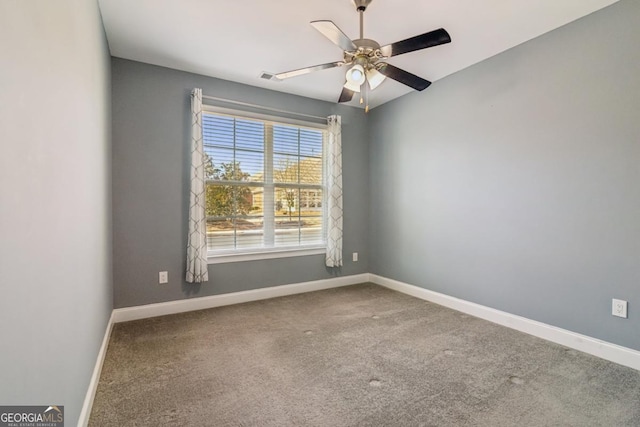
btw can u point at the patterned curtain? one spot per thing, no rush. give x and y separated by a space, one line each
334 181
197 243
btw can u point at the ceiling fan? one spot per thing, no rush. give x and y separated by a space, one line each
367 59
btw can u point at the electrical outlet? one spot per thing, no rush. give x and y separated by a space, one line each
355 257
163 277
619 308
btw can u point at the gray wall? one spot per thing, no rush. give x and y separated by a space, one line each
55 214
151 128
516 182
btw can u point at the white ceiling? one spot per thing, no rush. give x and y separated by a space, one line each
238 40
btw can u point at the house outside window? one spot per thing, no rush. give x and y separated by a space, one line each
265 186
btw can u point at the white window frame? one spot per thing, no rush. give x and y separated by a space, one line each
249 254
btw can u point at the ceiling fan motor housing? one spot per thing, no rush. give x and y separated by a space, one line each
367 54
367 44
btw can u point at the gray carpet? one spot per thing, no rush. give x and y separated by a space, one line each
355 356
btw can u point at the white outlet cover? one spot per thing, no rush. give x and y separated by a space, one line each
619 308
163 277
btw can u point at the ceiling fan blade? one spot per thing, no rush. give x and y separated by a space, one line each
346 95
404 77
301 71
423 41
335 34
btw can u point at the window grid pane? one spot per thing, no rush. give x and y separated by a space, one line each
235 161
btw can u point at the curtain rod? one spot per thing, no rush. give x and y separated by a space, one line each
261 107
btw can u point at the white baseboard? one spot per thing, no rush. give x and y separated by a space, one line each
605 350
201 303
83 421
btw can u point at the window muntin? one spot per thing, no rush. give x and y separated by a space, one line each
265 184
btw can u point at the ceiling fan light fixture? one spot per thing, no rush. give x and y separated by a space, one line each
352 87
355 75
375 78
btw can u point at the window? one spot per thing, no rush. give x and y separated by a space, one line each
265 185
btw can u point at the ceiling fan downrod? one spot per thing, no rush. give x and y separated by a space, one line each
361 6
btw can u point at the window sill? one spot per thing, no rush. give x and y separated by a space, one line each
264 254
